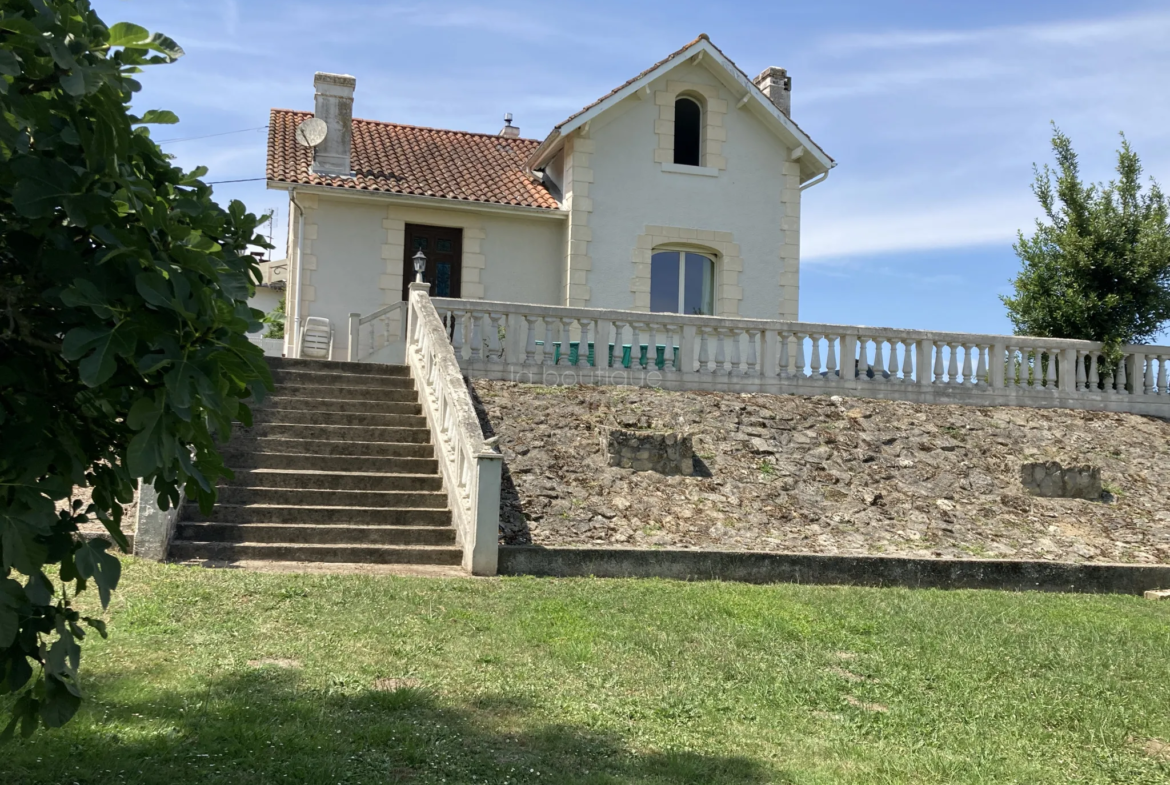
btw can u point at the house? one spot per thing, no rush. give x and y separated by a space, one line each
678 191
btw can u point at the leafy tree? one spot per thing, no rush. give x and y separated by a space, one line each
123 315
1099 268
275 320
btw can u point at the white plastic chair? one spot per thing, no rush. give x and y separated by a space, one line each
317 339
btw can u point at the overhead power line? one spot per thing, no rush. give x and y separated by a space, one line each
245 180
208 136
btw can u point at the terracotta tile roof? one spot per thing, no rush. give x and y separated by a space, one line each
406 159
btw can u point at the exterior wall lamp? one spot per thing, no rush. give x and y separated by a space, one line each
420 265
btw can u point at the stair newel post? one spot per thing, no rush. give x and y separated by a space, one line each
355 323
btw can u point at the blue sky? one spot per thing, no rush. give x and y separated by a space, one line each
935 111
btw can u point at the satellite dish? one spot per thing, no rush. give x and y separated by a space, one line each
312 132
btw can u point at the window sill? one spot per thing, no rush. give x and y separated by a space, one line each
705 171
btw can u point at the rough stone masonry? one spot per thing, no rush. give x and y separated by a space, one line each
827 475
648 451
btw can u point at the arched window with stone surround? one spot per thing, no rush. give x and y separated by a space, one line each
688 125
682 282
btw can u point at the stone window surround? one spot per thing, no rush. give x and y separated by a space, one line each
714 132
721 246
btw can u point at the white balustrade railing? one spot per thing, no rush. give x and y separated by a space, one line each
370 333
470 465
555 345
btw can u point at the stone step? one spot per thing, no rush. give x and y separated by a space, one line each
315 390
363 419
246 443
334 366
319 516
313 534
329 463
335 481
351 380
355 554
339 433
307 497
287 402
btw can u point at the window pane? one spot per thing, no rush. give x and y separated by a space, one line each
687 120
664 282
420 243
443 246
699 279
443 279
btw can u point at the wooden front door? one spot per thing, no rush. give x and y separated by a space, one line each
443 247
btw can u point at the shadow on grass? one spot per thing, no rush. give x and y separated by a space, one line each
264 725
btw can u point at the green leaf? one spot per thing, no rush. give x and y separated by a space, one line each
105 569
97 624
99 349
42 184
22 551
9 63
154 289
60 703
74 82
144 454
167 46
12 599
127 34
158 117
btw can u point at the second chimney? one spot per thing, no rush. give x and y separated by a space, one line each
334 104
509 130
777 85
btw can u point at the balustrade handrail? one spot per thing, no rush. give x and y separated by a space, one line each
381 312
357 321
470 465
806 328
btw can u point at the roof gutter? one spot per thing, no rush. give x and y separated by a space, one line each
438 202
816 180
295 349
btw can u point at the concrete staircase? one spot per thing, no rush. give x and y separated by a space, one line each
338 467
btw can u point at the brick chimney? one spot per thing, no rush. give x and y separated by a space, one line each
334 105
509 130
777 85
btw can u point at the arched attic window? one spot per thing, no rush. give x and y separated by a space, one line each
688 123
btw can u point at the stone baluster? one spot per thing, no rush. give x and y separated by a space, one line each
495 348
815 361
583 345
530 341
907 363
635 345
704 350
668 358
785 338
1163 374
652 347
831 358
619 332
1107 377
1012 368
800 374
981 366
1148 382
1081 382
476 336
551 325
1094 377
968 371
953 363
892 363
736 335
1122 380
753 338
566 341
720 353
879 368
939 378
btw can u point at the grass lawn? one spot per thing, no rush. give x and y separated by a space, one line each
232 677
